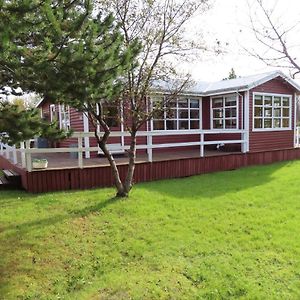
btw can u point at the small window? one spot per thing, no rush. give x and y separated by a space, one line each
224 112
65 122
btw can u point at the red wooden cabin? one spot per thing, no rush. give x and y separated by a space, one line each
210 127
263 105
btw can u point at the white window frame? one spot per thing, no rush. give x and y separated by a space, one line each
66 125
176 118
273 128
52 110
224 115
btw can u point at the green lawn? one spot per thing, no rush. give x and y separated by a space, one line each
229 235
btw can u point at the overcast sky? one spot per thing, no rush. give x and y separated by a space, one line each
228 21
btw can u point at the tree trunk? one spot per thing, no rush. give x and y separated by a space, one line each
115 172
131 165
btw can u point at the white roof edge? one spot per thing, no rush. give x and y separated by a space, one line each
39 103
272 76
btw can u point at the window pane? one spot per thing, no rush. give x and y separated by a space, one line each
230 123
285 123
258 100
112 122
268 100
217 102
230 101
258 111
194 124
268 112
286 112
277 112
267 123
277 101
158 114
171 113
258 123
277 123
218 124
171 124
183 114
183 103
285 101
230 112
171 103
183 125
218 113
194 114
158 125
194 103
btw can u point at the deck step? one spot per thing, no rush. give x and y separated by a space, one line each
10 179
10 174
4 183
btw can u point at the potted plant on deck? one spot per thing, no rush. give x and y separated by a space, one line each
39 163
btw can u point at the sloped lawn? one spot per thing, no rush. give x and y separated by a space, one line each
228 235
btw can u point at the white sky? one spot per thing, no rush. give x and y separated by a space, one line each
228 21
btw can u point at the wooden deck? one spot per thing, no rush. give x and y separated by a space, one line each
63 174
58 161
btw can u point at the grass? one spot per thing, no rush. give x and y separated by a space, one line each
229 235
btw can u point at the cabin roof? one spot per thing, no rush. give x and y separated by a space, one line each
203 88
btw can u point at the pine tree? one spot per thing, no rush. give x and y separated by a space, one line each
18 124
68 52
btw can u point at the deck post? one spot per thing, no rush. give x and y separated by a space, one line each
202 144
15 160
28 156
1 149
23 156
244 143
149 147
80 153
7 154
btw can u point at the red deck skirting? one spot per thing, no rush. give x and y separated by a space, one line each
67 179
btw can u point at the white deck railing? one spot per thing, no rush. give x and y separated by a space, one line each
25 151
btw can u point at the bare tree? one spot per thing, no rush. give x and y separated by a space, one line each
161 28
276 38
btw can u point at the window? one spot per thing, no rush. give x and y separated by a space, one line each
271 112
53 114
179 114
65 117
224 112
111 114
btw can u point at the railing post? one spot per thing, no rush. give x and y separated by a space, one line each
244 143
80 153
15 160
28 156
23 156
7 151
297 137
202 144
149 147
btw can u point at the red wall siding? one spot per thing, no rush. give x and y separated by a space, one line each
271 140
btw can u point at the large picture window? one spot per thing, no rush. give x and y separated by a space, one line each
271 112
224 112
179 114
